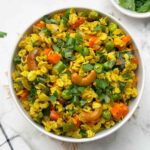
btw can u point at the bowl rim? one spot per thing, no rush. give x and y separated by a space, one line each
65 138
130 13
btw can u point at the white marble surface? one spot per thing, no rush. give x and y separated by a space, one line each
15 16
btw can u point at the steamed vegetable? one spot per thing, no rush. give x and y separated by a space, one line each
140 6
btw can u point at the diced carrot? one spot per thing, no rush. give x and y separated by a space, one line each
40 24
134 60
78 22
92 41
54 58
118 62
76 121
126 39
47 50
54 115
119 110
24 94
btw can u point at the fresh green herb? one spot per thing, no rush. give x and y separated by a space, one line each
32 94
127 76
49 20
93 15
46 111
60 43
41 79
2 34
87 67
128 4
99 28
68 54
69 127
81 89
105 98
109 64
17 60
82 102
83 133
78 38
55 48
122 85
140 6
75 100
116 96
66 94
102 83
85 51
46 31
53 97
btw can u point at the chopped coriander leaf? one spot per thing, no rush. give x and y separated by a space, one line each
53 97
32 94
101 83
68 127
17 60
68 54
122 85
46 111
87 67
55 48
85 51
46 31
82 102
109 65
116 96
99 28
41 79
66 94
83 133
2 34
49 20
128 4
78 39
105 98
75 100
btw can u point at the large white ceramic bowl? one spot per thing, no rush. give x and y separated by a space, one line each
104 133
129 12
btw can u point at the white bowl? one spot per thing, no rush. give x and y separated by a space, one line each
129 12
104 133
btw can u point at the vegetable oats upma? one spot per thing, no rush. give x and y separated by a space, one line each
75 73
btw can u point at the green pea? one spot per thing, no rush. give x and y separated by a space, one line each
106 114
59 67
109 45
93 15
66 95
85 51
112 27
98 68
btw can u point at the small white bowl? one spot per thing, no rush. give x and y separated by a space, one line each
101 134
129 12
